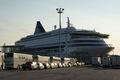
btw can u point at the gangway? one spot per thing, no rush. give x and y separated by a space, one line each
11 49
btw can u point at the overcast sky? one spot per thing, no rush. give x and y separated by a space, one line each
18 17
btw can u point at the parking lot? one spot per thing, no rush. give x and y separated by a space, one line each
73 73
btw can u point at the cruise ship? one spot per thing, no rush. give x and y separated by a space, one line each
65 42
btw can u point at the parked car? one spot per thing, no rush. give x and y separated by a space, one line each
40 66
52 65
30 66
75 64
69 64
46 65
66 64
60 65
56 65
63 64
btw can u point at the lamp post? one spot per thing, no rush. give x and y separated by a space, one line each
60 11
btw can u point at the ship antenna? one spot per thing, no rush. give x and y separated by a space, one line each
55 27
68 22
94 29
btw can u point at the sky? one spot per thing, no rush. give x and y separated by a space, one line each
18 17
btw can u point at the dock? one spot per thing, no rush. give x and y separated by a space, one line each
73 73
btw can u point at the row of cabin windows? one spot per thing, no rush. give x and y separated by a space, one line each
79 36
86 41
72 37
38 37
75 45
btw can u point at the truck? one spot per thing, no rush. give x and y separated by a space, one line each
106 62
96 61
16 60
2 63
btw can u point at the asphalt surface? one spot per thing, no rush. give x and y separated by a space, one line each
73 73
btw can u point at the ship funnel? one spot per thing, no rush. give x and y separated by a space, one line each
39 28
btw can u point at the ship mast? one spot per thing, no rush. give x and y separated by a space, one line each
60 11
68 22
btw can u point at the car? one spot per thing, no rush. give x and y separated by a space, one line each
34 65
79 63
26 65
52 65
82 63
30 66
70 64
40 66
56 65
60 65
63 64
66 65
46 65
75 64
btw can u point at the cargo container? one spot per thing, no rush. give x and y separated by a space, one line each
96 61
106 62
2 64
16 60
115 61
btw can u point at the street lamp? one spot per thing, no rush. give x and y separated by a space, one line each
60 11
